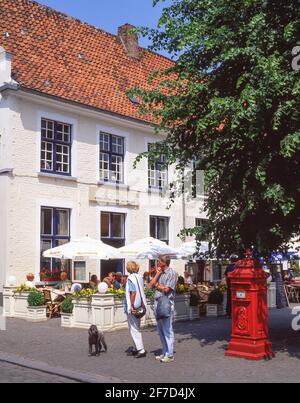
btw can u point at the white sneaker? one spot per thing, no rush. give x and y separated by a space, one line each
159 357
167 359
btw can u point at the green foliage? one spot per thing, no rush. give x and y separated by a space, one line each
150 293
35 298
67 306
23 288
215 297
86 293
232 103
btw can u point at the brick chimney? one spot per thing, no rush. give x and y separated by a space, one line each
129 40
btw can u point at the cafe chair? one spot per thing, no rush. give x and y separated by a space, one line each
52 306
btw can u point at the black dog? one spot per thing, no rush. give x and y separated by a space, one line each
96 339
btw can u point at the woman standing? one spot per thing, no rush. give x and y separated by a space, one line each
135 299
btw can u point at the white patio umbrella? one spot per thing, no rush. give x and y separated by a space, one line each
190 249
85 248
147 248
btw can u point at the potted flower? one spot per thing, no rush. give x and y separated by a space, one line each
214 305
37 310
67 313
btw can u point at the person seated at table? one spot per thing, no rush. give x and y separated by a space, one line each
124 280
187 278
30 280
118 281
110 279
94 282
64 283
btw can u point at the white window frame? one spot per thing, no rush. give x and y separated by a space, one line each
64 119
86 272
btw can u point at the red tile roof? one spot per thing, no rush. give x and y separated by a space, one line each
63 57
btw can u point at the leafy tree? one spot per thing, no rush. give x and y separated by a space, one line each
232 103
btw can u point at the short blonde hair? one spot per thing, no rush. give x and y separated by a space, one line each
132 267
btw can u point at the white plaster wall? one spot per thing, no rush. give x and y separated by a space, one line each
28 191
3 230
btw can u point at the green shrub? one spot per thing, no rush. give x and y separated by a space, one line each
67 306
215 297
35 298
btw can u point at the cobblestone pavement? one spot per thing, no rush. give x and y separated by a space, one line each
199 346
14 374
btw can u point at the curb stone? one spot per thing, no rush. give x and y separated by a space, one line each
82 377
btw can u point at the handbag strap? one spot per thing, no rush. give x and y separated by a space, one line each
138 283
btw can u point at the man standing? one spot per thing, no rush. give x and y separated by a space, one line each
164 282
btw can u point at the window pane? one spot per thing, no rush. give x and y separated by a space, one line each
104 225
79 271
153 232
104 166
163 227
47 129
63 132
162 178
46 219
62 159
104 142
117 145
46 156
117 226
62 223
45 262
116 169
152 175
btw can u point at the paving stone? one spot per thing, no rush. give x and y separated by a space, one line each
200 347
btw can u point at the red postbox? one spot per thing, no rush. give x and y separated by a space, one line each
250 330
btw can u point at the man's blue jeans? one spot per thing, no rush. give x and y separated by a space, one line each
166 333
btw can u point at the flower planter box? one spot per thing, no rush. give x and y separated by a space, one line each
182 307
82 313
9 301
66 320
107 312
21 305
103 309
36 313
120 317
213 310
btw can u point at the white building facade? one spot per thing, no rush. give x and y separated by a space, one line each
66 167
43 205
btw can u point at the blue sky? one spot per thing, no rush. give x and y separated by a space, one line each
110 14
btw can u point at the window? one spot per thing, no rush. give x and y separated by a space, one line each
113 234
157 172
111 162
79 272
202 222
112 226
56 147
55 231
198 180
159 228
